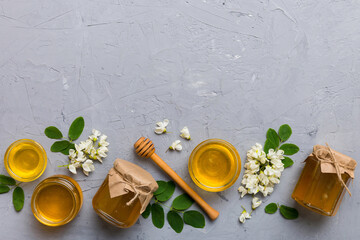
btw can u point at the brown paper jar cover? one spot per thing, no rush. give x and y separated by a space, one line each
324 180
124 194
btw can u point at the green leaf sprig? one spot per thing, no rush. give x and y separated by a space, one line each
285 211
274 139
18 193
63 146
179 206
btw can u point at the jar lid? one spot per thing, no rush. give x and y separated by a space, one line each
127 177
331 160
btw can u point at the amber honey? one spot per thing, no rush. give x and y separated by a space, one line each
317 191
56 200
25 160
214 165
116 210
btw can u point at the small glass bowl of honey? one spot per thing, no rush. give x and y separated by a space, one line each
56 200
25 160
214 165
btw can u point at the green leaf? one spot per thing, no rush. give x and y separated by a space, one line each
157 215
289 212
285 132
269 145
182 202
7 180
53 132
66 150
194 218
169 191
76 128
162 187
18 198
271 208
58 146
147 211
287 162
273 137
4 188
175 221
289 148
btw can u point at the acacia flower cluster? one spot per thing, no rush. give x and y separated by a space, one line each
263 171
88 151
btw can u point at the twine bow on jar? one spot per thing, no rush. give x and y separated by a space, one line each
334 162
126 177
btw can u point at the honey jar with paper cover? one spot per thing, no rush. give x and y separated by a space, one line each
124 194
324 180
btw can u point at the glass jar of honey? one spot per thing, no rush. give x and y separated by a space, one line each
324 180
214 165
25 160
124 194
56 200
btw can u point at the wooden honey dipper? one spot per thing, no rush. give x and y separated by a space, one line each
145 148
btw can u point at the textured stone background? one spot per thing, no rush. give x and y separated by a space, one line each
226 69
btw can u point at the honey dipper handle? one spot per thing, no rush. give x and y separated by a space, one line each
211 212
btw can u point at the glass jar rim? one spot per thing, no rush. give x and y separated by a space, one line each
230 148
7 165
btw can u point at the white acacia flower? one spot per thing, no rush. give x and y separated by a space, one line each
274 180
254 190
79 147
255 152
102 151
242 190
88 167
266 190
184 133
277 164
95 135
263 178
256 202
72 154
161 126
269 171
88 146
244 215
103 142
272 154
72 168
103 148
81 157
176 145
277 172
93 153
252 166
252 181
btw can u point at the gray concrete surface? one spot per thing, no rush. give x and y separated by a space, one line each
226 69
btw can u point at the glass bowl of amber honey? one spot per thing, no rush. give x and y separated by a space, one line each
214 165
56 200
25 160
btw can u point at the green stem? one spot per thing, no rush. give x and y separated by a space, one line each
157 201
16 185
64 165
